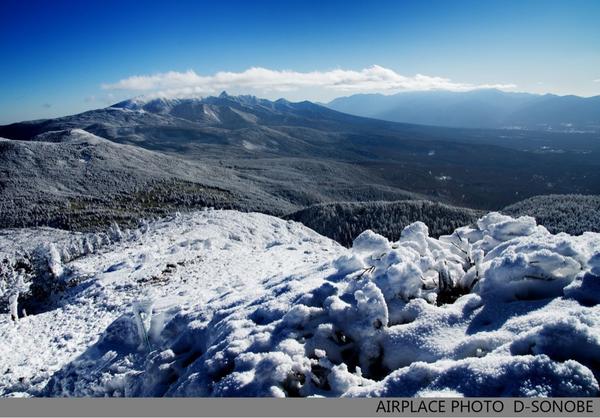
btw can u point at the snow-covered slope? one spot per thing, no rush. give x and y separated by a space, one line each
181 263
220 303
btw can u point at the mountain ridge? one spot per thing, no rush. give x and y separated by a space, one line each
484 108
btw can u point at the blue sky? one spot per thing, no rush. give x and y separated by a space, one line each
63 57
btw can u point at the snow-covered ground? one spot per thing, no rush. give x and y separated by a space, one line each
223 303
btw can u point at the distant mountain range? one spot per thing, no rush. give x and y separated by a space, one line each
487 108
239 125
144 157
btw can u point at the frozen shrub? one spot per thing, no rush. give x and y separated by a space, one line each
13 300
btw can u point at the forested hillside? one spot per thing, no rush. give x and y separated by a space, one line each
346 220
573 214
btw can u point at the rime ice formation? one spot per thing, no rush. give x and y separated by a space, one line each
223 303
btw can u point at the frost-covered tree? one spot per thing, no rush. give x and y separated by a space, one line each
13 300
48 271
114 232
15 275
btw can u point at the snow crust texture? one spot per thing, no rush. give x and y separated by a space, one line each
257 306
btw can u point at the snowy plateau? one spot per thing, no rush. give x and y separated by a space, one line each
225 303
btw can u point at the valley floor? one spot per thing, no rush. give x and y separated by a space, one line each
224 303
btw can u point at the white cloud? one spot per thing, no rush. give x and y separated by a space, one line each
374 79
597 80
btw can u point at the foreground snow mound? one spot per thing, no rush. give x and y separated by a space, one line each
501 308
124 285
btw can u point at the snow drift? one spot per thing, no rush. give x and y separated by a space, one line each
499 308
